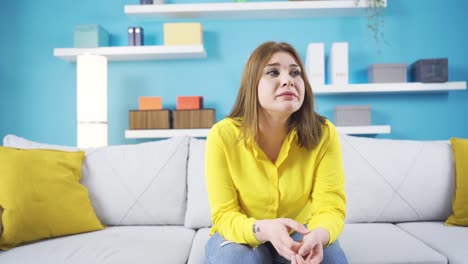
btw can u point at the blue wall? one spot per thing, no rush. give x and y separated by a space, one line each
37 90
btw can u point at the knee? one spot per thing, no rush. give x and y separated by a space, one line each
227 252
333 254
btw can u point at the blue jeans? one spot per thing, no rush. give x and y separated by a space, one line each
221 251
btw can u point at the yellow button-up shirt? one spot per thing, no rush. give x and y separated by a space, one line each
244 185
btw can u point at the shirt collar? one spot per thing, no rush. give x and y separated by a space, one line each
291 137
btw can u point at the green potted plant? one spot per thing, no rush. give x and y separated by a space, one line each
375 18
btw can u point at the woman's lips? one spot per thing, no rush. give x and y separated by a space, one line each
287 94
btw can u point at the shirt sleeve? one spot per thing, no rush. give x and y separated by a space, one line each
226 214
328 194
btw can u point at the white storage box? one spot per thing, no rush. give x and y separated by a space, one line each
315 63
338 68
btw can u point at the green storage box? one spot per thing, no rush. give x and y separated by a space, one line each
90 36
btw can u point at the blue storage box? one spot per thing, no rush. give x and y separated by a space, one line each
90 36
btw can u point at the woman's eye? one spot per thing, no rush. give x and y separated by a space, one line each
295 73
273 72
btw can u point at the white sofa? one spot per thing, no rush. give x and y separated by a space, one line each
152 198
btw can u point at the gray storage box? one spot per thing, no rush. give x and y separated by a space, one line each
352 115
387 73
430 70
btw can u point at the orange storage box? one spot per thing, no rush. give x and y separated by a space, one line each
149 103
189 102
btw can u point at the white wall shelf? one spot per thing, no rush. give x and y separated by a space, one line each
134 53
166 133
364 130
251 10
388 88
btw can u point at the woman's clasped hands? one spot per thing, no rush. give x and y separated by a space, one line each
307 251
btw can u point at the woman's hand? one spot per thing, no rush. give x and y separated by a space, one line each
276 231
311 250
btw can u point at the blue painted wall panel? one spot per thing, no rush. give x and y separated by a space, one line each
38 91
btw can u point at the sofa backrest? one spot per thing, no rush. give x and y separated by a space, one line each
198 213
158 183
141 184
386 181
397 180
137 184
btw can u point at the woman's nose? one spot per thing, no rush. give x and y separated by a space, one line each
286 81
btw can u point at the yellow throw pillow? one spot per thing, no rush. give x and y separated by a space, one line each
41 196
460 200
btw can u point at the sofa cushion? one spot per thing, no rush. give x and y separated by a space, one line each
198 213
139 184
460 199
385 243
382 176
362 243
197 253
42 197
125 244
450 241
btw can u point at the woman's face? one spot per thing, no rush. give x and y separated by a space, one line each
281 87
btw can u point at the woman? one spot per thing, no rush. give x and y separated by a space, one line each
274 171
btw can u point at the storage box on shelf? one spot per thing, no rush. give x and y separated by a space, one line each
430 70
315 63
149 103
387 73
352 115
90 36
189 102
201 118
338 63
149 119
183 34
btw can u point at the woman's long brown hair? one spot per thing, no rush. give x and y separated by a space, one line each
306 121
